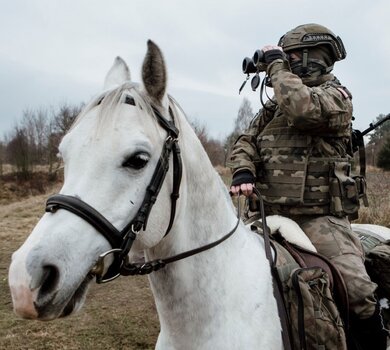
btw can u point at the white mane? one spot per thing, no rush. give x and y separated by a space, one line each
109 100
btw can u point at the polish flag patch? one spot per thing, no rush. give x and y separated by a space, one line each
343 92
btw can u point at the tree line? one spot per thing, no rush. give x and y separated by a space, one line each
378 148
34 140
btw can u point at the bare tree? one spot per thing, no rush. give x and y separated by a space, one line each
26 124
2 157
244 116
241 123
53 141
377 139
35 124
65 117
214 148
383 161
18 152
200 130
41 125
58 126
381 132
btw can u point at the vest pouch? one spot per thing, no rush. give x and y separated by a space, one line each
343 190
361 186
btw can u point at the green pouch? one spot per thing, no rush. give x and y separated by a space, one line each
344 191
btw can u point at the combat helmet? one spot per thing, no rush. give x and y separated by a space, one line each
311 35
319 47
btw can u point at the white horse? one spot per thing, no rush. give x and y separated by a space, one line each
221 298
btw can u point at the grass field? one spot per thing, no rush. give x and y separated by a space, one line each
378 211
120 315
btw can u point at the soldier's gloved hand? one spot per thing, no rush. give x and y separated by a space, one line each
242 182
272 53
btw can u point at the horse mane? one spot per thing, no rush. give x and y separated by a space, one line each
110 100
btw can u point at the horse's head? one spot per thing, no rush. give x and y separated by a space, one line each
110 156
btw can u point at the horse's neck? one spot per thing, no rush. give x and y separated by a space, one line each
218 299
206 209
215 291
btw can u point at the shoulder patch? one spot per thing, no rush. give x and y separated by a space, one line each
343 92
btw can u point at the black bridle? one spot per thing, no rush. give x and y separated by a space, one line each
122 241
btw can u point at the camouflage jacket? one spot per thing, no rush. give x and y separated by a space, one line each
305 124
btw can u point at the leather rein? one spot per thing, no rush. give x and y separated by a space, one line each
122 241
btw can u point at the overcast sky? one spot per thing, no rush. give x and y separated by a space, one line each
55 52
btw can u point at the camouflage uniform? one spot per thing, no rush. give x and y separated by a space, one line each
294 150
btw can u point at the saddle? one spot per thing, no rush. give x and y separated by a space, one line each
314 293
377 260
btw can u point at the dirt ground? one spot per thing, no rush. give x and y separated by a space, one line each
119 315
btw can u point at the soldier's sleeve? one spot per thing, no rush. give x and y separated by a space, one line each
244 154
308 107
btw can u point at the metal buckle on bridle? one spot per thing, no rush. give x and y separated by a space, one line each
171 139
128 240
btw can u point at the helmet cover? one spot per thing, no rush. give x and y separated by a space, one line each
311 35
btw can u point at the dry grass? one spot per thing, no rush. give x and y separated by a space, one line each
120 315
378 211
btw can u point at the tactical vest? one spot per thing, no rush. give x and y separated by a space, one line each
293 181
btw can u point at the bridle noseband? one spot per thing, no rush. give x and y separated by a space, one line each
122 241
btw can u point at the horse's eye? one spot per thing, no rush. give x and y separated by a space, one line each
136 161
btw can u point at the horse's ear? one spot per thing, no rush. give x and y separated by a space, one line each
117 75
154 73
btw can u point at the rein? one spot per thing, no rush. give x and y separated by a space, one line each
122 241
130 269
278 289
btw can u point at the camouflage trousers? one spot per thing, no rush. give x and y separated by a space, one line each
333 237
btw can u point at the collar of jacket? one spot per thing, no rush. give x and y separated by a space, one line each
317 80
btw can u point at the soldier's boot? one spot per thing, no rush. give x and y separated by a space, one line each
369 333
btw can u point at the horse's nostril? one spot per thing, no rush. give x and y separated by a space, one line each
50 279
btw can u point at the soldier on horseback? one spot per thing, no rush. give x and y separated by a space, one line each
297 152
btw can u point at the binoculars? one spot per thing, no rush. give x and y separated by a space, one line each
254 64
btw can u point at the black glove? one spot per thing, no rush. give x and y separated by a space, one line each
243 177
272 55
